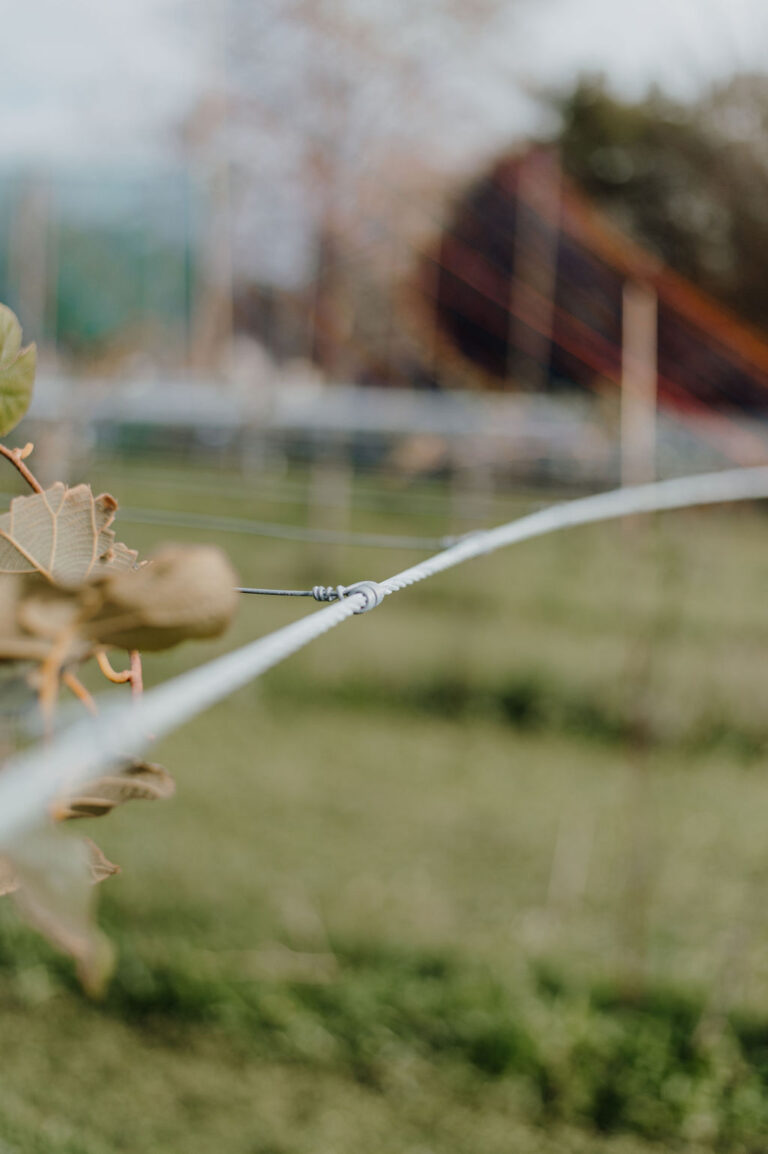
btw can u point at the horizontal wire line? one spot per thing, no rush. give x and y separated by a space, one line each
279 531
365 499
276 592
32 779
319 592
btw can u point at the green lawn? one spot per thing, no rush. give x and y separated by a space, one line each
482 871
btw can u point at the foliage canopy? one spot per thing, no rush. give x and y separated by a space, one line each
69 592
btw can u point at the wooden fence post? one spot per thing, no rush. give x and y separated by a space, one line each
639 383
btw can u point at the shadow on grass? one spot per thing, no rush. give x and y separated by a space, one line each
656 1063
529 702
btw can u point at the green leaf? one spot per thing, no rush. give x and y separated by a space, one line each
17 372
10 336
16 381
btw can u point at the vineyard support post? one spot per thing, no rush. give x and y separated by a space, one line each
639 383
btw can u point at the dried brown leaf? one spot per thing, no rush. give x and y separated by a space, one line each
100 866
184 592
46 611
33 615
139 780
55 895
119 556
62 533
15 643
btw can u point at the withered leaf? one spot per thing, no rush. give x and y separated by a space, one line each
99 864
119 556
63 534
46 611
183 592
32 614
17 372
139 780
54 893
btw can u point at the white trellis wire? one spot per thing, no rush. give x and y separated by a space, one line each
32 779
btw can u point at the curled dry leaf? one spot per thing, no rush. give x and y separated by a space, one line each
63 534
66 589
17 372
51 878
16 645
34 615
184 592
99 864
139 780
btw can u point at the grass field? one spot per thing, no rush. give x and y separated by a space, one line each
482 871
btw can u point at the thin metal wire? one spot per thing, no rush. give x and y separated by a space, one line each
680 493
373 499
32 779
319 592
279 531
278 592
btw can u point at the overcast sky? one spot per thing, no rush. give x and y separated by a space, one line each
682 44
102 88
108 80
96 79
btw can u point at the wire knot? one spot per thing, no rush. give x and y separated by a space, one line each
328 592
370 590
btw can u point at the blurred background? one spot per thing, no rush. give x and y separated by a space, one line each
322 282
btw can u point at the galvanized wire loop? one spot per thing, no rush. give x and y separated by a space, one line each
370 590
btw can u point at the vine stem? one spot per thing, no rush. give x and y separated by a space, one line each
75 685
104 664
133 675
16 457
137 677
